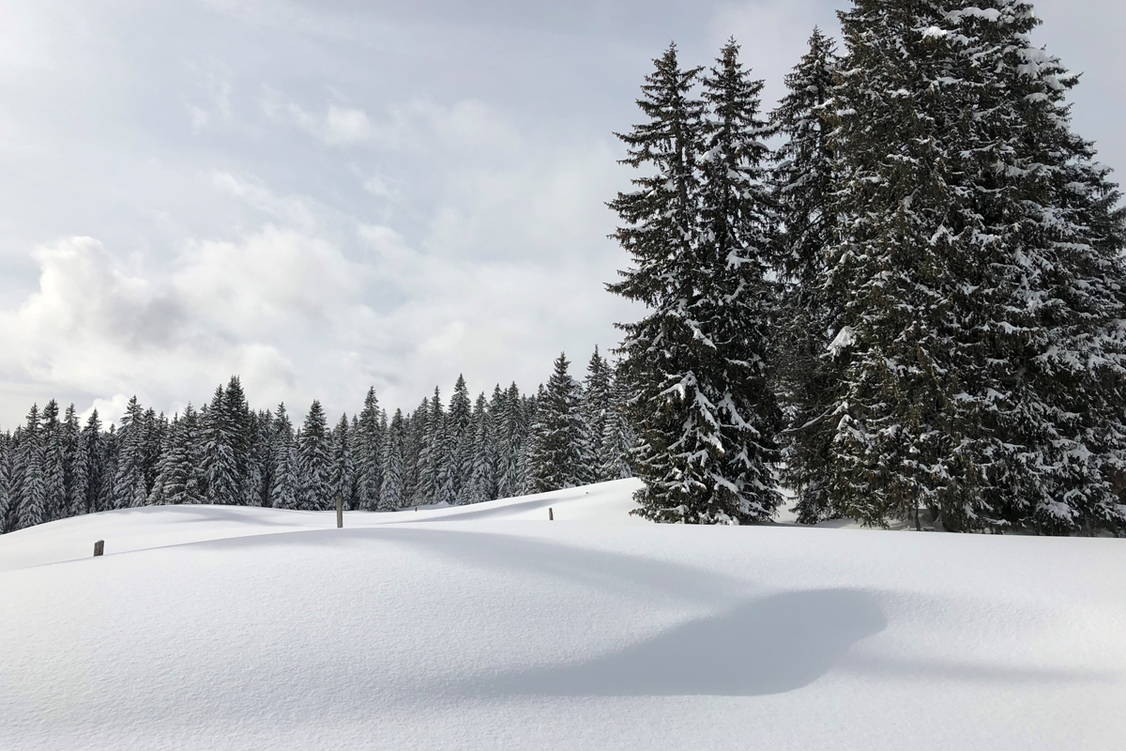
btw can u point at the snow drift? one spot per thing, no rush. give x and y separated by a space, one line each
490 627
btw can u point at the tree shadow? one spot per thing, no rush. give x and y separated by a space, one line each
766 645
617 573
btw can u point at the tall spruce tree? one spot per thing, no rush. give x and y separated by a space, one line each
1054 295
342 469
803 186
7 489
617 435
394 491
481 485
314 461
30 480
129 485
559 457
284 472
597 409
94 448
369 453
698 232
459 441
54 461
76 465
432 474
220 461
979 273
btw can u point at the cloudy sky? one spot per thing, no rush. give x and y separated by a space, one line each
320 195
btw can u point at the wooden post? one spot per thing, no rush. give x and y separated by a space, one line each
550 514
340 512
99 548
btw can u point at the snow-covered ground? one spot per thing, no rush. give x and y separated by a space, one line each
490 627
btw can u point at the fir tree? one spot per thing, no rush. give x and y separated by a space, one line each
93 449
511 435
283 484
314 460
979 279
31 494
803 186
597 410
110 447
459 441
342 469
481 485
7 489
617 435
76 465
239 428
432 455
393 495
129 473
221 470
698 233
369 453
560 454
54 462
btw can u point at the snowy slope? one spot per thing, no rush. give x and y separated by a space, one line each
489 627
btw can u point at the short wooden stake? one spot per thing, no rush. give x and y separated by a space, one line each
550 514
340 512
99 548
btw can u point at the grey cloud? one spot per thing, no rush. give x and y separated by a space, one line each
320 194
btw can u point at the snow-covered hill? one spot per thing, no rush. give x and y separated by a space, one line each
490 627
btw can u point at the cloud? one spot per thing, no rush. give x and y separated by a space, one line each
336 125
309 193
252 192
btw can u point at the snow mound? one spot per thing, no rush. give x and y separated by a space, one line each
490 627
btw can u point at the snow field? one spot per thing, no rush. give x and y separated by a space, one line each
489 627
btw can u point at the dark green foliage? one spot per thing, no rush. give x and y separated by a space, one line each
697 228
559 457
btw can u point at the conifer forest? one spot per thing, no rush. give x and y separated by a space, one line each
897 297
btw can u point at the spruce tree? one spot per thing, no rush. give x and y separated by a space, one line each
617 435
129 473
510 438
31 486
110 448
283 475
394 491
94 450
481 485
432 464
803 186
597 410
560 455
342 469
76 465
978 273
239 431
221 471
459 441
7 489
54 462
1055 298
698 232
369 453
314 461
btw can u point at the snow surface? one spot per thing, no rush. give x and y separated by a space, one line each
489 627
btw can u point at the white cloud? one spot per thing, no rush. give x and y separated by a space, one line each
336 125
285 209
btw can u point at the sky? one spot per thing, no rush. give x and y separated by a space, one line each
326 195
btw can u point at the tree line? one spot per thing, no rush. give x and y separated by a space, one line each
899 294
461 451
